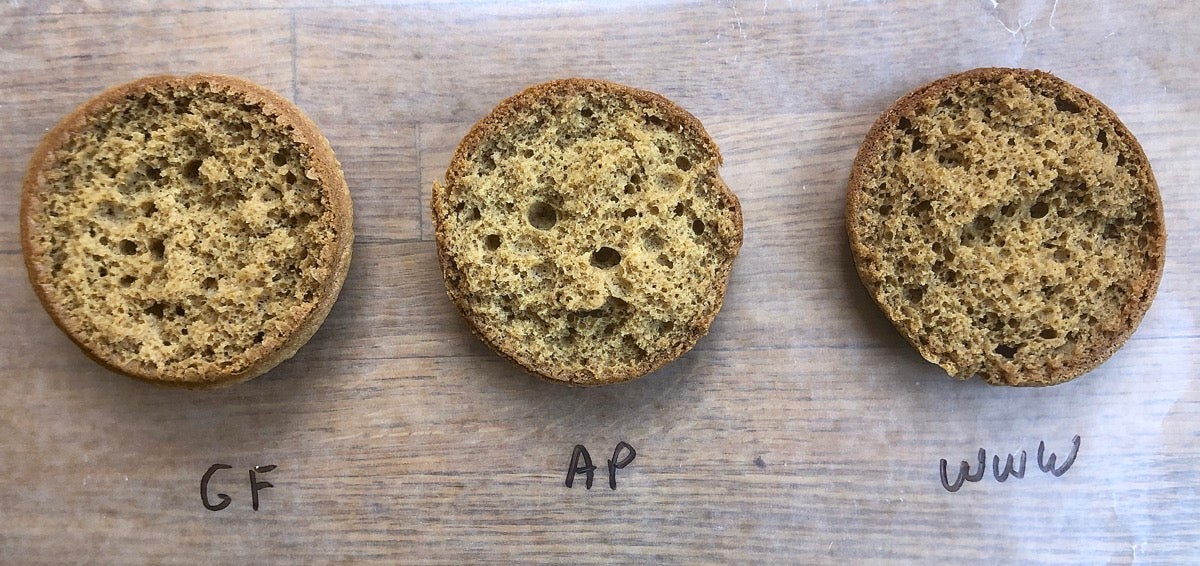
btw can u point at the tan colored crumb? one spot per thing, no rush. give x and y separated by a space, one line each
1008 224
584 231
190 231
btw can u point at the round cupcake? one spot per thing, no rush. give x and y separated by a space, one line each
1008 224
189 231
584 232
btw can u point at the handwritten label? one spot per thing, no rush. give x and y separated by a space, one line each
1045 464
622 456
223 499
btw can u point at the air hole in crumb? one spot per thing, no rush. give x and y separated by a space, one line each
605 258
258 338
665 261
628 213
914 294
179 310
680 209
127 280
127 247
1008 209
157 249
103 271
155 310
652 119
1061 255
683 163
279 159
904 124
1065 105
491 242
697 226
209 284
630 344
917 145
885 209
1049 334
153 173
653 241
290 178
542 216
191 170
1112 231
527 153
148 209
1102 137
1006 350
1039 210
586 112
1120 160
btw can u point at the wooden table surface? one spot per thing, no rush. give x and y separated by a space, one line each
801 429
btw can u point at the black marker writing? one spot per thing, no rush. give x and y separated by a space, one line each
964 473
575 468
1049 465
256 485
225 500
622 456
618 463
1008 468
1046 464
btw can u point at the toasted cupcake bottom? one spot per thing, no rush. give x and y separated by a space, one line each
1008 225
191 231
584 232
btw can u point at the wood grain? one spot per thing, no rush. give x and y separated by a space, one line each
802 429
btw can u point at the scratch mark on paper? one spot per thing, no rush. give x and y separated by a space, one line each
1020 27
1021 24
1053 10
738 18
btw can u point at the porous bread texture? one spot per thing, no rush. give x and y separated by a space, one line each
584 232
191 231
1008 224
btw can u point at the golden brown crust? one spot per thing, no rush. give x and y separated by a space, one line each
506 343
880 272
334 253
